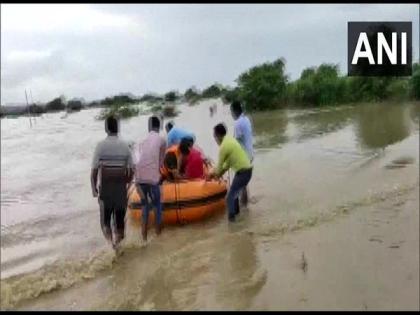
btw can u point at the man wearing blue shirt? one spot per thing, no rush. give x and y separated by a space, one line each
243 133
176 134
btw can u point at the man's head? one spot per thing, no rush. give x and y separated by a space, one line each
111 125
170 161
236 109
219 132
185 146
169 126
154 124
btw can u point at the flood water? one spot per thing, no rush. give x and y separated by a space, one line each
308 164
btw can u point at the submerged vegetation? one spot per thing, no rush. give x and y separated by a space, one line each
120 110
262 87
169 111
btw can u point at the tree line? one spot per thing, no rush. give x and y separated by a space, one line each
266 86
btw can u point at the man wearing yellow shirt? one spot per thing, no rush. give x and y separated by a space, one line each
232 155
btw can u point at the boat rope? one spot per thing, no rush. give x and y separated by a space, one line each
177 203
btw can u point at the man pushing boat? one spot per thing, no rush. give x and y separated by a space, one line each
232 155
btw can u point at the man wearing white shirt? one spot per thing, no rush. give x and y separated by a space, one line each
243 133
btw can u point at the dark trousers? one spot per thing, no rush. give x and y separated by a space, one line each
150 195
109 209
240 181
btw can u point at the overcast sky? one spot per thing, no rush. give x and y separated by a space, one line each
99 50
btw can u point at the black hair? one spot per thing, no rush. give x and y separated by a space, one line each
169 126
111 125
185 146
220 130
236 107
170 161
191 141
154 122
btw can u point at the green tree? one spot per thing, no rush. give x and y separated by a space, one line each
212 91
264 86
171 96
36 109
230 95
191 93
56 104
318 86
414 83
151 98
74 105
376 89
397 89
119 99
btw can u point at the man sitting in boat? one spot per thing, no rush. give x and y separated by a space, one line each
171 164
184 161
192 160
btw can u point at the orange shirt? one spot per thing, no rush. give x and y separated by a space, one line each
175 149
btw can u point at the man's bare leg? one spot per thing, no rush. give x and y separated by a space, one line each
144 231
158 228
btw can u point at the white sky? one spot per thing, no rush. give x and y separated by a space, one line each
98 50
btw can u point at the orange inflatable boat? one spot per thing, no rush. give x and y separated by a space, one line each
183 201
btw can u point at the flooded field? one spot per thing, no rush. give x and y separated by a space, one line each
311 166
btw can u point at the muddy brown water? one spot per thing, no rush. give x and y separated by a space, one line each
310 164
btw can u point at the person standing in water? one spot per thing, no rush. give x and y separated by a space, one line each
243 133
148 178
232 155
113 162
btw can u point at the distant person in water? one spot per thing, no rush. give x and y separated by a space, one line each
243 133
176 134
213 109
231 155
112 161
148 178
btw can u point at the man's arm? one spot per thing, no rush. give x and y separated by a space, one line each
130 165
162 152
94 171
222 165
162 170
238 132
93 181
206 159
170 139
